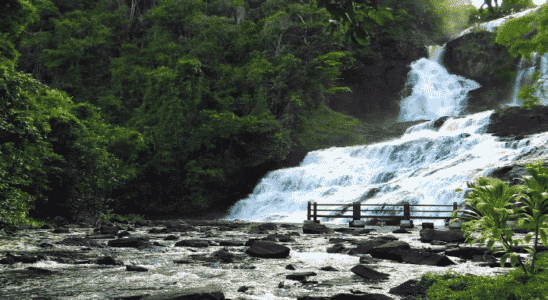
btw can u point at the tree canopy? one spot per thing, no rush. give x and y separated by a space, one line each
170 106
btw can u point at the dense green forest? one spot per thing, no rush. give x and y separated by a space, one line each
176 108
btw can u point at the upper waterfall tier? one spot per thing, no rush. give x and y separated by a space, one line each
435 92
491 26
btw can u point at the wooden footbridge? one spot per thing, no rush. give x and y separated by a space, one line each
357 211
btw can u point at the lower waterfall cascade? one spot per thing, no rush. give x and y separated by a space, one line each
425 166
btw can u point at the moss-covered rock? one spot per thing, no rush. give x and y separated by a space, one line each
518 122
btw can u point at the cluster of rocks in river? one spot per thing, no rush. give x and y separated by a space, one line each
272 245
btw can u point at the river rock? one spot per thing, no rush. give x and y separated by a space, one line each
75 241
266 249
130 242
515 122
366 246
452 236
227 253
313 228
368 272
209 292
192 243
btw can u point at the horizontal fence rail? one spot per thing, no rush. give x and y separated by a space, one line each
356 211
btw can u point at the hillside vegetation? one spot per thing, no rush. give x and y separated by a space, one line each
173 108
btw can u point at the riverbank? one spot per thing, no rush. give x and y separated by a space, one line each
175 256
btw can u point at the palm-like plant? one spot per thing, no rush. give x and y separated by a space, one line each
488 208
535 209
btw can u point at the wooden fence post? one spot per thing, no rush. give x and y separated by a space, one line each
406 212
356 211
315 210
309 209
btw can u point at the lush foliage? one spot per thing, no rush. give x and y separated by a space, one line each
524 36
23 149
52 147
489 209
513 285
450 17
529 92
507 7
356 17
196 92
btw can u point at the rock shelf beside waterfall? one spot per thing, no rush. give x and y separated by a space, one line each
227 260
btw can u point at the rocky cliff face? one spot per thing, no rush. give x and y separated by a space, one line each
476 57
380 76
512 125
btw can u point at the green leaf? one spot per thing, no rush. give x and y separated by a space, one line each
529 249
528 238
386 13
490 244
503 259
514 259
543 232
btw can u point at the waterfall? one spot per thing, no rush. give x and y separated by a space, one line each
425 166
435 52
525 70
435 92
491 26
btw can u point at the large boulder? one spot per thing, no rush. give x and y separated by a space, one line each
134 242
300 276
386 251
368 272
475 56
450 236
209 292
410 288
420 257
313 228
223 255
193 243
378 251
366 246
109 260
518 122
11 259
264 249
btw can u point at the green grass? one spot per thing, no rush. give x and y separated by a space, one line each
511 286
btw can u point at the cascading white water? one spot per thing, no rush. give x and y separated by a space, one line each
523 78
424 166
436 93
435 52
491 26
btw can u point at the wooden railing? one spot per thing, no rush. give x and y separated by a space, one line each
356 211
